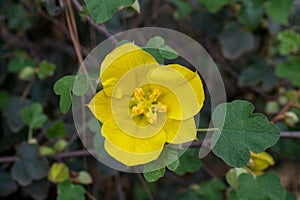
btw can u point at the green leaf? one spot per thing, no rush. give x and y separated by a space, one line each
57 130
266 186
215 5
63 87
232 176
278 10
235 42
290 70
46 69
152 176
167 52
156 169
212 190
103 10
251 14
255 73
33 115
16 64
7 184
38 190
288 42
189 162
67 191
4 97
51 7
12 112
155 42
18 18
80 85
27 151
58 172
26 74
30 167
241 132
184 8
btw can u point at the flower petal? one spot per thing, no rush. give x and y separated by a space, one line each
120 145
100 106
120 61
194 80
129 158
185 85
179 132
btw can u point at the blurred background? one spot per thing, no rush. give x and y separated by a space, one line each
255 44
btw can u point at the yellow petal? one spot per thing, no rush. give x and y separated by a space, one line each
100 106
261 161
194 80
129 158
179 132
185 86
119 62
131 144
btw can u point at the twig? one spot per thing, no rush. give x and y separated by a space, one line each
119 186
286 107
100 28
145 186
28 87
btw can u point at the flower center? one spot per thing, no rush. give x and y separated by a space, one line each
146 104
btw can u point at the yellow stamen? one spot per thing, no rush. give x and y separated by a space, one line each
146 104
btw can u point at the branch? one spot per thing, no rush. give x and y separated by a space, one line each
80 153
289 105
100 28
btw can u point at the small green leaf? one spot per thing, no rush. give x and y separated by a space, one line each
59 172
67 190
4 97
184 8
45 150
251 14
278 10
266 186
212 190
7 184
288 42
52 7
290 70
63 87
46 69
27 151
60 145
16 64
103 10
167 52
18 18
189 162
235 42
155 42
241 132
233 175
38 189
84 178
152 176
214 6
57 130
80 85
33 115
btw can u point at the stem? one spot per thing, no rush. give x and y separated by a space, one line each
207 129
30 133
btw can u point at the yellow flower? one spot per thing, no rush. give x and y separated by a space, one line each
144 105
259 162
